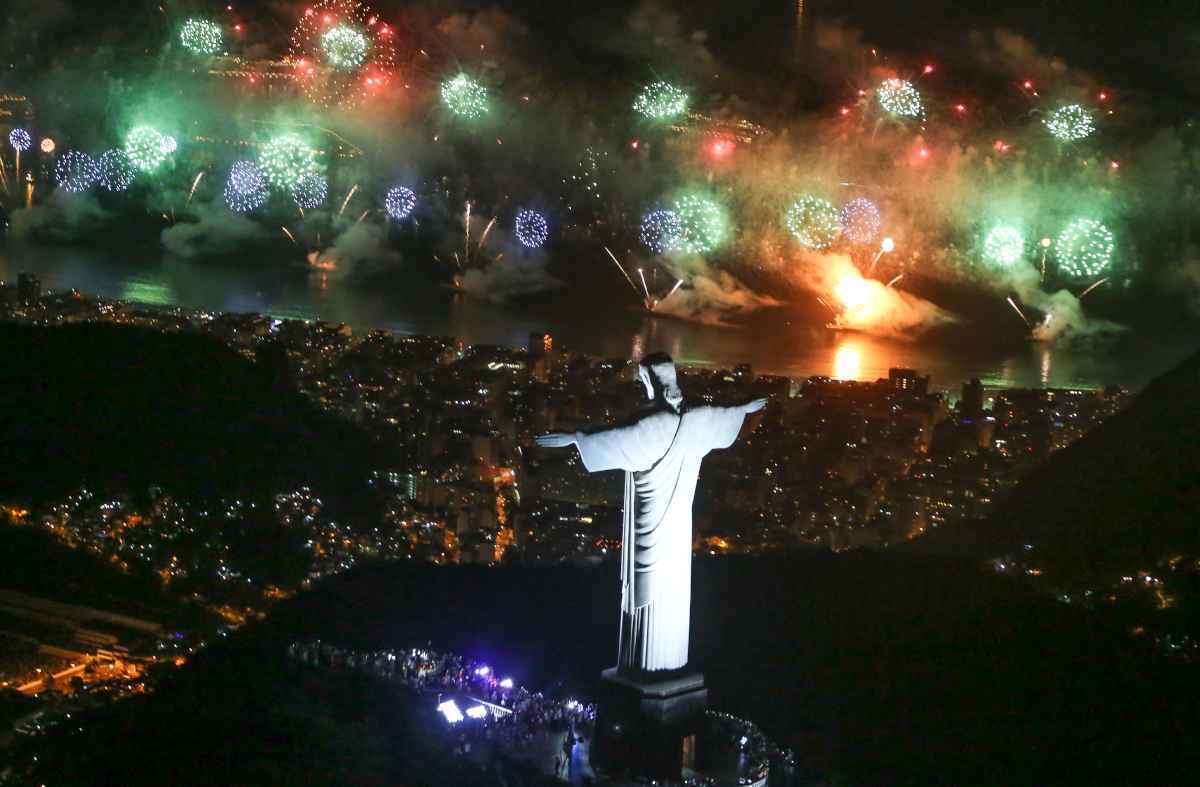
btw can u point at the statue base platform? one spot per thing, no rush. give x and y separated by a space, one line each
646 725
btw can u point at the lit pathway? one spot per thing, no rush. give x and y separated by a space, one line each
36 686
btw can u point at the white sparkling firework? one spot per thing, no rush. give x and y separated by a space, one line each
246 189
399 202
531 229
115 170
20 140
860 220
310 191
899 98
661 230
76 171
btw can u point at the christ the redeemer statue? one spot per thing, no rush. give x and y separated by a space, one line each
660 453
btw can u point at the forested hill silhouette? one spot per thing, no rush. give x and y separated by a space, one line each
123 407
876 668
1120 499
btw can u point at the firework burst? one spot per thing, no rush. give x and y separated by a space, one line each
344 47
201 37
286 160
531 229
899 98
1003 246
813 221
704 224
246 188
660 101
399 203
1071 123
310 191
20 140
465 97
343 52
860 220
76 171
1084 249
144 146
661 230
115 170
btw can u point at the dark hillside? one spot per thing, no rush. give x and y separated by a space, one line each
1119 500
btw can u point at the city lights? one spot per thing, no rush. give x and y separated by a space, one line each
449 710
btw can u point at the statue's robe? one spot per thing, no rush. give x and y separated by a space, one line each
660 454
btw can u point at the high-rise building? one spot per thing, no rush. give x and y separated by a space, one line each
540 344
971 405
29 288
909 381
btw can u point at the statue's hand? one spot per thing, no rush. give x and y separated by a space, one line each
557 439
754 406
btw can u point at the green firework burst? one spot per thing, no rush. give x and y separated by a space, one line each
660 101
814 222
703 224
1004 245
1084 248
344 47
1070 123
465 97
287 159
201 37
144 146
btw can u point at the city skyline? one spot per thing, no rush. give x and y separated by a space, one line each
792 393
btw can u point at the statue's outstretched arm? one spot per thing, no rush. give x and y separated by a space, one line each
557 439
753 406
618 447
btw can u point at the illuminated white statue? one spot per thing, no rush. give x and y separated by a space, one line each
660 453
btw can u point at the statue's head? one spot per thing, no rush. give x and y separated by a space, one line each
657 373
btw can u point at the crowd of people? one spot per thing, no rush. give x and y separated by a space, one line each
525 725
514 716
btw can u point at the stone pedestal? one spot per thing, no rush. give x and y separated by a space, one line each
641 722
